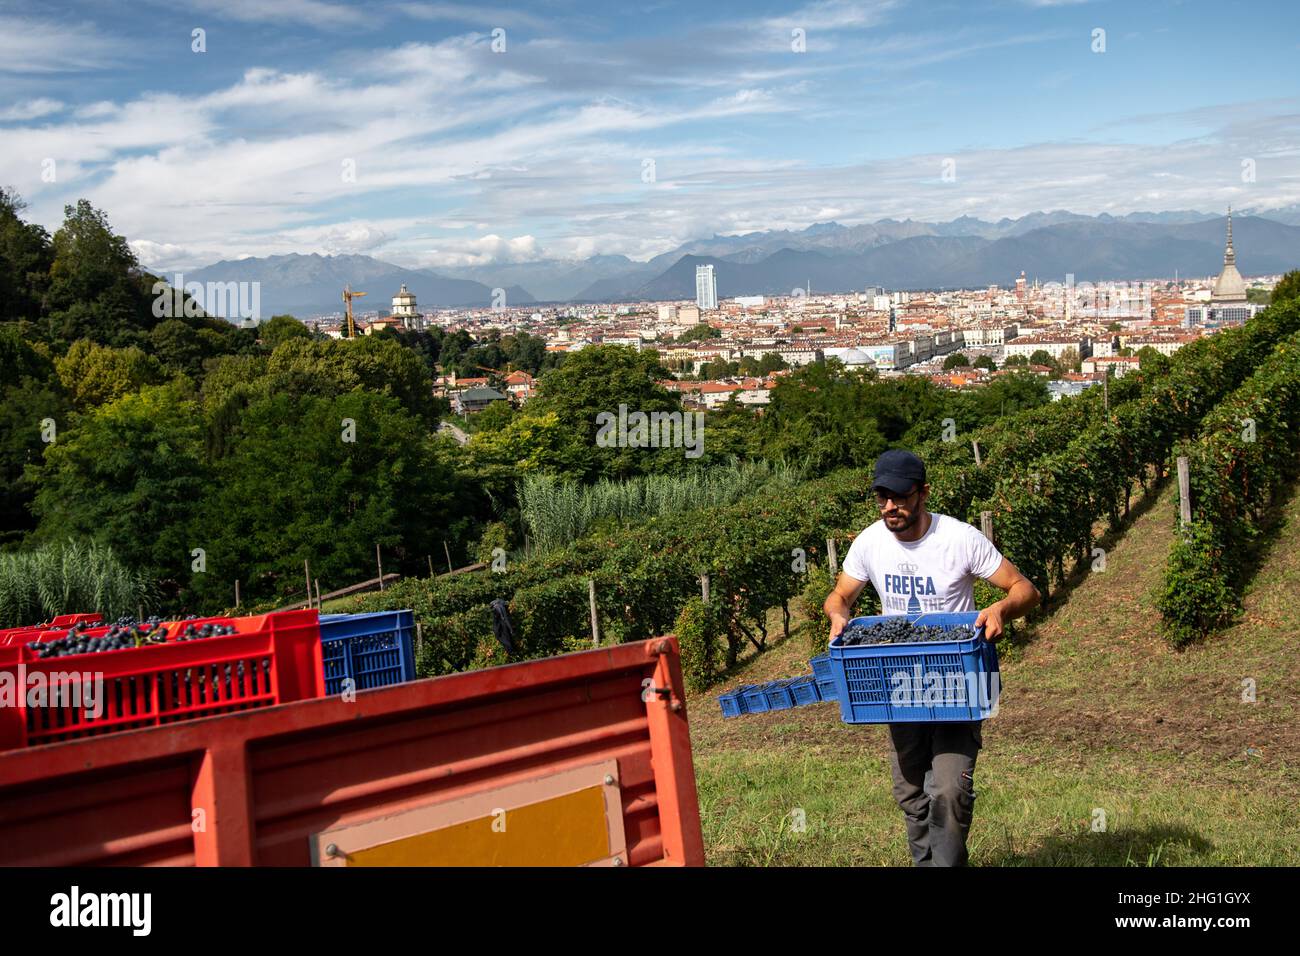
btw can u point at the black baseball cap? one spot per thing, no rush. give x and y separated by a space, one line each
898 470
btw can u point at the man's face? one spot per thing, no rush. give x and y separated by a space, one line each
900 511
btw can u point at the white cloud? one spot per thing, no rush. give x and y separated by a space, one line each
480 16
484 251
32 109
28 45
463 157
318 13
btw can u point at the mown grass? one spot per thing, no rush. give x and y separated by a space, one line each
1098 713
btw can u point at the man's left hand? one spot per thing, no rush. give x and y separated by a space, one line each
991 619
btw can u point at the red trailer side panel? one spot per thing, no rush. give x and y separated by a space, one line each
261 787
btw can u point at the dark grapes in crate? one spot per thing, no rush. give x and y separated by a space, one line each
898 631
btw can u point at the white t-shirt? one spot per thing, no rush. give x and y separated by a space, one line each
936 572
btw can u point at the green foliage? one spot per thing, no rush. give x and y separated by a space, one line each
25 259
829 416
699 333
492 419
1244 453
1012 360
277 500
329 368
281 328
1152 360
1288 287
68 577
771 362
94 374
556 512
1042 357
30 394
497 535
595 381
818 588
129 474
956 360
986 362
185 345
699 630
95 290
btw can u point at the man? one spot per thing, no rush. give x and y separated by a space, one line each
920 561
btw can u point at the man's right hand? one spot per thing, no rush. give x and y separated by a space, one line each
838 623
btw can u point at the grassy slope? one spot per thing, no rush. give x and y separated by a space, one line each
1097 713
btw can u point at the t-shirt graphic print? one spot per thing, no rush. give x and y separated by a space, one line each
936 572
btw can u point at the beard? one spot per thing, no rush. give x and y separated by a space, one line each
898 522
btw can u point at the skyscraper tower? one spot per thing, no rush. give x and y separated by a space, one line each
706 287
1229 286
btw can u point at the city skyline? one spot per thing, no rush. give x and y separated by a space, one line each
420 135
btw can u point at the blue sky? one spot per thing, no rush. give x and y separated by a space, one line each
396 130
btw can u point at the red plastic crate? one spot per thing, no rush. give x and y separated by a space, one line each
272 659
28 632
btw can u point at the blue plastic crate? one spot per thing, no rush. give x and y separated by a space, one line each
373 649
822 669
779 696
733 704
934 681
804 690
755 698
826 689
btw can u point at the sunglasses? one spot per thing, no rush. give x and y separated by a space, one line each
884 496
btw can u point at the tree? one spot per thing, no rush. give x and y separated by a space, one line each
596 380
733 431
1152 361
986 362
25 259
1288 287
281 328
528 443
956 360
525 352
493 418
719 369
95 374
31 398
830 415
1069 361
184 346
327 368
1012 360
95 290
699 333
1042 357
279 498
1008 394
129 474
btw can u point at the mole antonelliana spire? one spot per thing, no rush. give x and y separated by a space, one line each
1229 286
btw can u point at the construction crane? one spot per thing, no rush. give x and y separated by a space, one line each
348 296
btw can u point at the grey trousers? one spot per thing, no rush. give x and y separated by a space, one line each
933 765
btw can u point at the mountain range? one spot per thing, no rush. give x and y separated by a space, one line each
307 285
831 257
